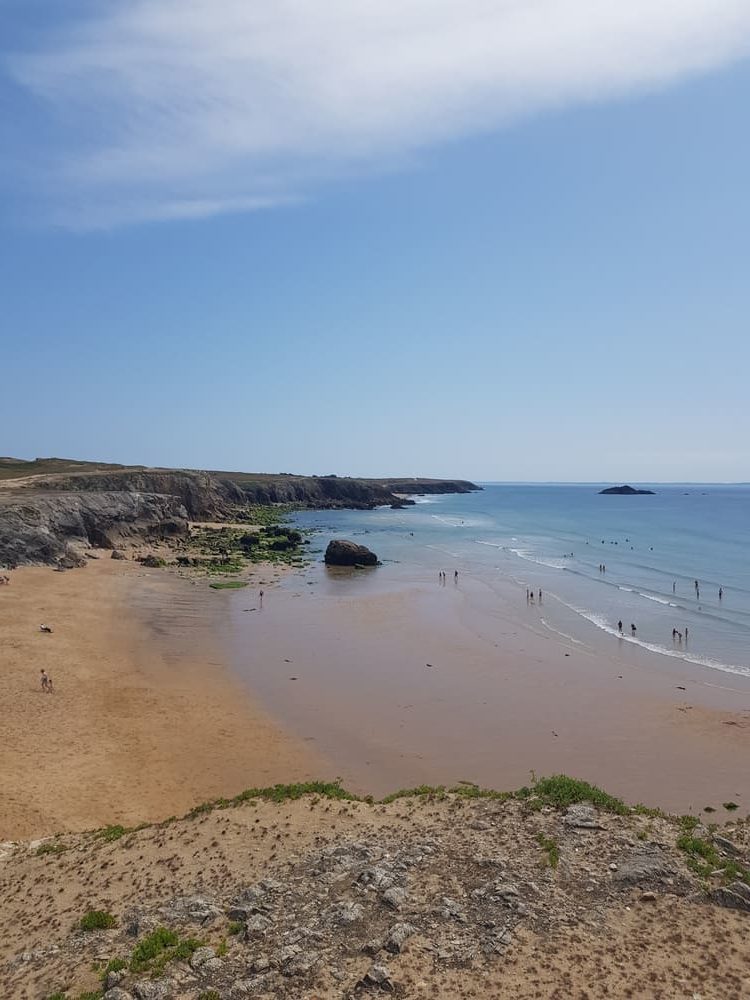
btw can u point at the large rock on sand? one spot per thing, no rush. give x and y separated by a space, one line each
341 552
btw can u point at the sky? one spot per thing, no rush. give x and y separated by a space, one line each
498 240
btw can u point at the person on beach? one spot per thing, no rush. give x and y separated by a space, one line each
619 627
674 634
721 592
686 633
527 595
50 689
674 586
632 629
540 596
44 679
455 576
260 595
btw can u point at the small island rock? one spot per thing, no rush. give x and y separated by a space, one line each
341 552
626 491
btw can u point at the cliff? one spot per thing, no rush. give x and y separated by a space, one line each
51 528
51 509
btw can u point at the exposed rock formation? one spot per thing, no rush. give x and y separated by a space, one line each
626 491
49 528
202 496
429 896
342 552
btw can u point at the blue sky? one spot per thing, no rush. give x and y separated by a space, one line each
441 254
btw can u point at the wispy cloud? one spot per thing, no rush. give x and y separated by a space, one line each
163 109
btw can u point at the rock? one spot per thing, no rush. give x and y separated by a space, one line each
582 816
118 554
151 561
260 964
200 956
256 926
195 909
348 913
397 937
379 976
114 979
373 946
726 846
341 552
376 878
648 897
451 910
297 962
395 897
735 896
626 491
154 989
117 994
643 866
136 922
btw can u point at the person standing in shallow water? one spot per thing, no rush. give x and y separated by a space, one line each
632 629
455 576
619 626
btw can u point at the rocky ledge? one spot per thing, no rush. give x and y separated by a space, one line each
284 894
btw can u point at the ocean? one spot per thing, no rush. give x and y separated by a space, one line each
555 538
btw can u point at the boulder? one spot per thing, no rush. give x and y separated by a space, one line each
341 552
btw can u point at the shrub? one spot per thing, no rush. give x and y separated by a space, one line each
97 920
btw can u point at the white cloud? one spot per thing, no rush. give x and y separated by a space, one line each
185 108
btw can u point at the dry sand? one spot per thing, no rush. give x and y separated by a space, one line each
131 733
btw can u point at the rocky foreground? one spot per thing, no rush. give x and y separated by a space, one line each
308 894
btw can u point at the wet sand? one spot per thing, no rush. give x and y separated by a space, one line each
140 727
402 682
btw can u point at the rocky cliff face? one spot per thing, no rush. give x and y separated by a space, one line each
203 496
334 491
54 528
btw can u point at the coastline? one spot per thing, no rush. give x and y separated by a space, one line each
145 722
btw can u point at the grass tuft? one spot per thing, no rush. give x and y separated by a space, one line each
561 791
551 850
97 920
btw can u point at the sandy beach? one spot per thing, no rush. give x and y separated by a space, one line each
402 682
132 734
168 693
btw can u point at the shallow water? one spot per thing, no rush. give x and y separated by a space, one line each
554 538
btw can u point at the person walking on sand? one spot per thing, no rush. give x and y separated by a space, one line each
44 679
540 596
50 689
260 595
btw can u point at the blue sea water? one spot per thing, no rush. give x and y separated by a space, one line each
556 537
